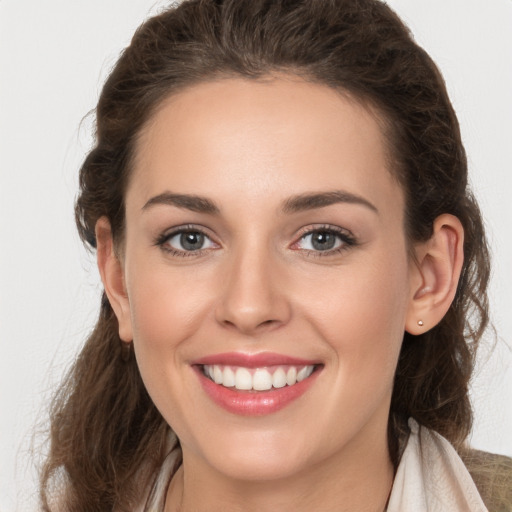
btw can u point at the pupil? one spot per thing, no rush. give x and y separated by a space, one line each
323 240
192 241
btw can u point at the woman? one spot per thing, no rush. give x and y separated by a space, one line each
294 272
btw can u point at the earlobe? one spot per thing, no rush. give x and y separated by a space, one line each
435 275
112 276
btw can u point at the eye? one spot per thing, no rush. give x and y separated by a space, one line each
320 241
188 241
325 240
185 241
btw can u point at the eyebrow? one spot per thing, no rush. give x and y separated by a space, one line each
299 203
194 203
304 202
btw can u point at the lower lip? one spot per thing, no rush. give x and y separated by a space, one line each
254 403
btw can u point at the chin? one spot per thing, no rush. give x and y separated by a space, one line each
251 466
258 456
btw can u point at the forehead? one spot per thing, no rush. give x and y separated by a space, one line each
243 138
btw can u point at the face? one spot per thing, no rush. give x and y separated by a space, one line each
266 275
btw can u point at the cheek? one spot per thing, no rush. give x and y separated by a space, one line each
361 313
165 303
363 324
167 309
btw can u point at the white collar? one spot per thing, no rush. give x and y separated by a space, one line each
431 477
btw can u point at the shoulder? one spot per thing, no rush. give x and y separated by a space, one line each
492 475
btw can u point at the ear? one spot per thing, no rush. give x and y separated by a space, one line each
112 276
435 275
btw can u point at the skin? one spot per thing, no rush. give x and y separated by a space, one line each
258 286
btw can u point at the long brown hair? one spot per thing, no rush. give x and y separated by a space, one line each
107 438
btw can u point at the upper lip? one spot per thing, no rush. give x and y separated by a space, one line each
258 360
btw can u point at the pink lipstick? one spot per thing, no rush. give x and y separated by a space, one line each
255 384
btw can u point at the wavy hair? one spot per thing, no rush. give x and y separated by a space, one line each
107 438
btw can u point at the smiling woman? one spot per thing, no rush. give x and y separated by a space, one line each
295 274
237 287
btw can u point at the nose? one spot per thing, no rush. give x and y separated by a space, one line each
253 298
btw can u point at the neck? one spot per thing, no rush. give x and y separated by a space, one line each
359 477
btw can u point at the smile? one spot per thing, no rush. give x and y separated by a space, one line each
255 384
259 379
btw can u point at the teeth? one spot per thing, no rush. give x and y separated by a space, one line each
304 373
291 376
243 379
279 378
260 379
217 375
228 378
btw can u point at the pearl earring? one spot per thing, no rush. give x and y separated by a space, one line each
420 323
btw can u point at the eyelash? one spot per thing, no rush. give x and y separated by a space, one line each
164 238
345 237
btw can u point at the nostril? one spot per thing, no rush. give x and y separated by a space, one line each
251 309
247 326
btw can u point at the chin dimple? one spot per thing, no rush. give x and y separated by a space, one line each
257 379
